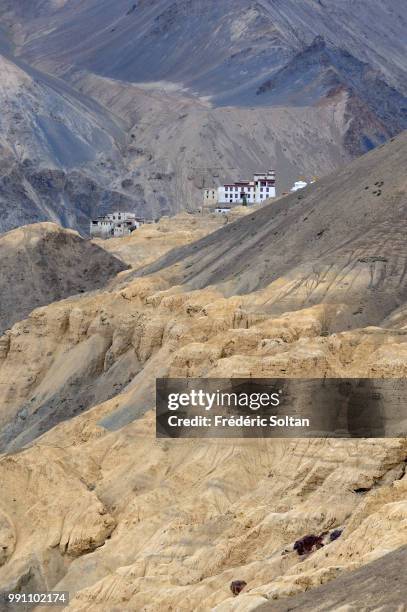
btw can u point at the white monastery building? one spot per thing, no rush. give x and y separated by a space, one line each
261 188
115 224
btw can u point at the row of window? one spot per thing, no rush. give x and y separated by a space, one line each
249 198
124 222
251 187
249 195
237 189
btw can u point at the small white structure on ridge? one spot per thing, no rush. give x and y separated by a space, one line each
222 210
299 185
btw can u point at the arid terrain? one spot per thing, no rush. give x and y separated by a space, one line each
139 105
152 241
310 285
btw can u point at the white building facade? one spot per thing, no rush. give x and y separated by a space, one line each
261 188
115 224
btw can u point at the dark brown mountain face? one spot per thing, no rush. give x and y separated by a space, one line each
150 100
42 263
322 73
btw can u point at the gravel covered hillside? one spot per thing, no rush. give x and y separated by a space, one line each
214 47
151 101
55 146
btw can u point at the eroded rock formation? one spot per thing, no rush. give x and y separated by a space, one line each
93 503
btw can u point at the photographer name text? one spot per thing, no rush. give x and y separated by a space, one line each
238 421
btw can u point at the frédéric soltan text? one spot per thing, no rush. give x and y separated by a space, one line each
238 421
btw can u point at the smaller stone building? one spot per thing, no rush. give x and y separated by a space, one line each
115 224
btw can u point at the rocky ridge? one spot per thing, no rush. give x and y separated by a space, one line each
153 240
160 524
150 102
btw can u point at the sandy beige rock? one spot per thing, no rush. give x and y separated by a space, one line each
96 505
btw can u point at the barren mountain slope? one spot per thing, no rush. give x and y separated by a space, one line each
211 46
59 150
152 241
65 158
53 123
180 144
42 263
192 82
164 525
377 586
342 239
58 161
